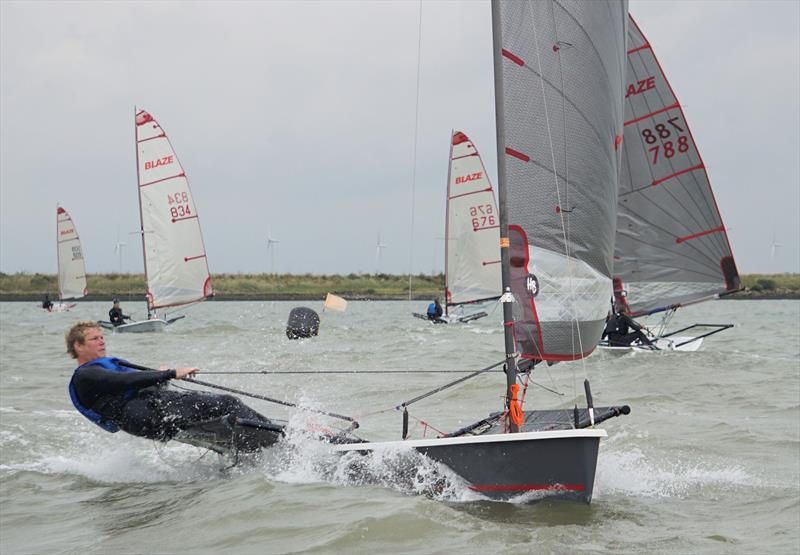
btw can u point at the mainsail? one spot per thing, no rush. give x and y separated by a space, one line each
672 247
559 77
71 268
176 269
472 260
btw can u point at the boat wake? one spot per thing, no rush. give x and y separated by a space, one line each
302 458
632 473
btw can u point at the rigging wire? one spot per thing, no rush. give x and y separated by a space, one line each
564 225
414 159
315 372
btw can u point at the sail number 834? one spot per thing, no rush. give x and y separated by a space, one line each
179 204
667 148
482 216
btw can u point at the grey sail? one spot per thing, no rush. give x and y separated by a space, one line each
560 72
672 247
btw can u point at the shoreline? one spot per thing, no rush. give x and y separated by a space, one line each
6 298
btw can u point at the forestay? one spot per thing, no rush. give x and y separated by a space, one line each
472 238
672 247
71 268
176 269
559 70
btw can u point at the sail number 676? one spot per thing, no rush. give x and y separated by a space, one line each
482 216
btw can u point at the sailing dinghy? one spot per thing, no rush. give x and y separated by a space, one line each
472 233
175 266
672 248
558 171
71 267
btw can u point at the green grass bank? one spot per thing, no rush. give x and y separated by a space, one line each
25 286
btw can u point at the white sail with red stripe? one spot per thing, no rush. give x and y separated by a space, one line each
671 245
176 269
71 267
472 256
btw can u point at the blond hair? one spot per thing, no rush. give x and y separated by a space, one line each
76 334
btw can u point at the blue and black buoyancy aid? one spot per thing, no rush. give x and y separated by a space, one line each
432 310
109 363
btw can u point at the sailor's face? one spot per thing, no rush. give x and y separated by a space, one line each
94 346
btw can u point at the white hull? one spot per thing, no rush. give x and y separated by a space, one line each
461 318
662 344
154 325
60 307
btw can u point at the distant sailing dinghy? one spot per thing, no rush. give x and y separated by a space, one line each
175 265
671 249
472 235
71 267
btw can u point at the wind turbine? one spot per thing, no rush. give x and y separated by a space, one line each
118 250
271 251
378 247
773 246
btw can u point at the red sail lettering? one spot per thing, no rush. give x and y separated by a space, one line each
150 164
641 86
466 178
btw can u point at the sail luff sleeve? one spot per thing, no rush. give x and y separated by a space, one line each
563 79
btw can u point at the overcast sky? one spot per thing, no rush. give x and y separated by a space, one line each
298 118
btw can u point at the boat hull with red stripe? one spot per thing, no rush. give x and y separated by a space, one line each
555 464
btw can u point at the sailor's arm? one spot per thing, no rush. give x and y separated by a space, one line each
632 323
104 381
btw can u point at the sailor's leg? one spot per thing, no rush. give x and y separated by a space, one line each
184 408
141 417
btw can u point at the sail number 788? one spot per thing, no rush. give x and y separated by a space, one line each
482 216
667 148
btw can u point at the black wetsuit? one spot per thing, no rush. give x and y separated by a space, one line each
141 404
618 332
47 304
116 316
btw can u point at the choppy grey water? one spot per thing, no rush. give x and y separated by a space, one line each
707 462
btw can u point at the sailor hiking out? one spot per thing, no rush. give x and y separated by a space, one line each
115 396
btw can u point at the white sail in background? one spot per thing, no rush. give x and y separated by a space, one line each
176 269
71 268
472 239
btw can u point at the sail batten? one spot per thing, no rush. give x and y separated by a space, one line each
71 266
672 246
472 270
176 268
559 72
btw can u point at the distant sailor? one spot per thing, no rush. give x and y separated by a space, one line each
618 329
117 397
435 310
115 315
47 304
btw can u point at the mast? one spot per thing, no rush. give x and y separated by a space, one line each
141 218
58 256
508 318
447 218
